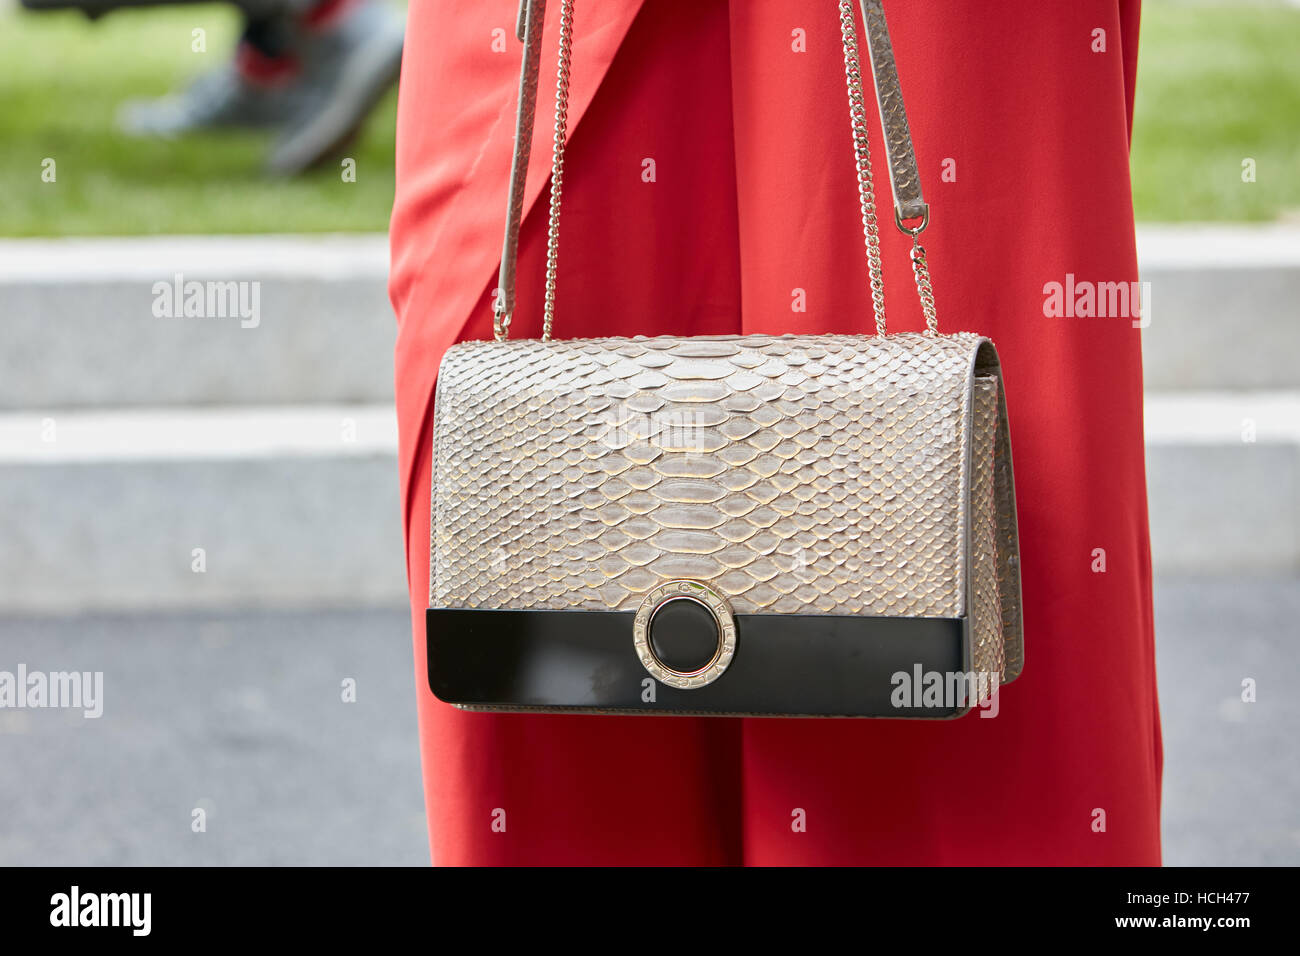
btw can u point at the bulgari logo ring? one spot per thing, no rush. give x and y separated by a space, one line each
696 594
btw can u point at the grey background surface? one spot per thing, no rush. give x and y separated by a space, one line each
242 715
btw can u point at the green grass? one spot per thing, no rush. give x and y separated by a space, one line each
61 80
1216 83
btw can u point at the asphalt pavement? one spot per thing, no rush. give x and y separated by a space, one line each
243 716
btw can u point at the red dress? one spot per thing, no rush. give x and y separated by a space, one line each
1021 114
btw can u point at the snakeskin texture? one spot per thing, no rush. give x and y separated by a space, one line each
815 474
1007 545
903 176
532 16
988 653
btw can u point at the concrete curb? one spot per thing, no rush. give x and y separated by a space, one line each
81 329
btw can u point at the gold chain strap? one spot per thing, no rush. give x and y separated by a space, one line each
921 272
861 152
557 161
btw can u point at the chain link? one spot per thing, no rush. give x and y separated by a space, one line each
862 154
557 161
921 271
500 318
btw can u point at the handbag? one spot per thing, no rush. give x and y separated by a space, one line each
797 525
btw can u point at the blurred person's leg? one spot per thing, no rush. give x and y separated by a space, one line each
255 88
315 68
93 8
349 54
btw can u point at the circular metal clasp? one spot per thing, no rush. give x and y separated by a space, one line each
643 633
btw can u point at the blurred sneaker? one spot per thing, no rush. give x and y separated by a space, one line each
253 92
350 57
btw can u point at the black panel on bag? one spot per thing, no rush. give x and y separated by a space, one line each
809 664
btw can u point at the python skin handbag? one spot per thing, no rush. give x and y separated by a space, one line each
798 525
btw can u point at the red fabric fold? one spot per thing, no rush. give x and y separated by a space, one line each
740 109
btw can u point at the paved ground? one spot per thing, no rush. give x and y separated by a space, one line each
1232 770
241 714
